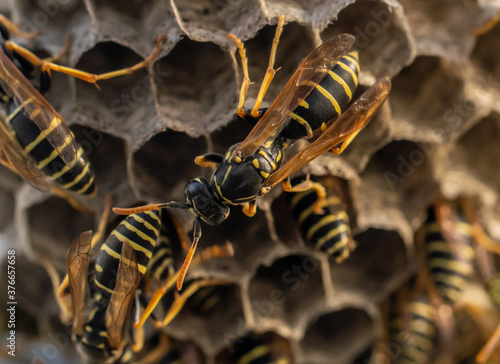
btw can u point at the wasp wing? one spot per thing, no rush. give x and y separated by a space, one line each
347 124
78 267
127 281
50 123
18 161
309 73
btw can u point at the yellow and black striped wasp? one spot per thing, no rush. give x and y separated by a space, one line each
34 140
129 257
314 101
329 230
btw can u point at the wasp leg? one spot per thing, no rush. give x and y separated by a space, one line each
85 76
14 29
137 333
209 160
215 251
101 229
270 72
489 348
181 235
249 208
63 304
305 186
69 199
181 299
486 27
63 51
245 84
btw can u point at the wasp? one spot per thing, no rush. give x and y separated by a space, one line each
314 100
35 142
329 231
123 262
450 254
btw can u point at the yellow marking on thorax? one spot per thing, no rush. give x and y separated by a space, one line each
341 81
330 98
264 174
349 69
227 174
255 163
304 104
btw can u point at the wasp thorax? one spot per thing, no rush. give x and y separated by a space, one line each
204 203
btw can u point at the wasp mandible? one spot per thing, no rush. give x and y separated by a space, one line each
320 88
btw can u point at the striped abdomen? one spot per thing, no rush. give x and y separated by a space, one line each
329 231
419 340
79 178
161 265
141 230
327 100
449 271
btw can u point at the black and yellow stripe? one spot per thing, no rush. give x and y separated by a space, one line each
329 231
161 264
422 331
449 272
326 101
78 178
141 230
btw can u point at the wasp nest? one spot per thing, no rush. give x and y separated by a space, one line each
437 134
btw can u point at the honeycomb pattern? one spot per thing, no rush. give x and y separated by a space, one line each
437 135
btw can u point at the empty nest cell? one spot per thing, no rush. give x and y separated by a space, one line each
172 156
372 22
419 92
337 335
284 292
194 87
362 271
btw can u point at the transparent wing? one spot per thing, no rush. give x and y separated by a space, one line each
127 281
347 124
78 267
309 73
40 111
18 160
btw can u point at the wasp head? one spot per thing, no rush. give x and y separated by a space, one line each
204 203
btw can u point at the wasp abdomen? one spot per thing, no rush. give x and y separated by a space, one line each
141 230
327 100
329 231
78 178
449 271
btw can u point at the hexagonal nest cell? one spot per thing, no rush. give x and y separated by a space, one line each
277 296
